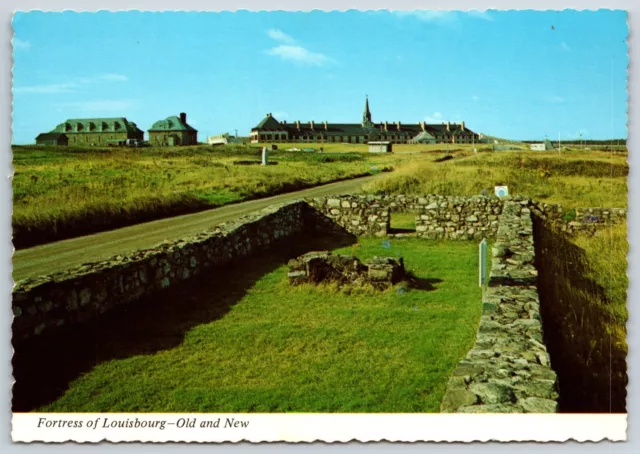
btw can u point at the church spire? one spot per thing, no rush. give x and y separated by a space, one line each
366 116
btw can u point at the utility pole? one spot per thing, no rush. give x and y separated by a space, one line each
559 143
236 132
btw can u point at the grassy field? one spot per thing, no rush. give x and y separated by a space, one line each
289 349
573 179
61 191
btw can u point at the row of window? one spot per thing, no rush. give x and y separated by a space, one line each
92 127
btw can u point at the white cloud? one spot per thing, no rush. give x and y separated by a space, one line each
101 105
555 99
299 54
435 117
110 77
484 15
71 86
281 36
429 15
21 44
50 88
114 77
564 46
444 16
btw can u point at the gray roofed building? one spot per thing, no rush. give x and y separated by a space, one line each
271 130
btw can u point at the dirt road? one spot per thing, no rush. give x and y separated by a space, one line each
66 254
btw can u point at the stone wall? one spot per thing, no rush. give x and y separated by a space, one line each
361 215
446 217
458 218
578 220
508 369
437 217
66 298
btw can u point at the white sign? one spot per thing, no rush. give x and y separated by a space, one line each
265 156
483 263
502 191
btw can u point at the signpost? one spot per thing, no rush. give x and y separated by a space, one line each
265 156
483 265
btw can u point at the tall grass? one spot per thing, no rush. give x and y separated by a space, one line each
573 180
607 252
582 287
61 192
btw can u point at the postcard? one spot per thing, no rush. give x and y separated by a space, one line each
300 226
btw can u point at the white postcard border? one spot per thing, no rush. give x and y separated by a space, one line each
309 427
20 424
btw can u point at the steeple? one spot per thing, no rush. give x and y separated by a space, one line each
366 116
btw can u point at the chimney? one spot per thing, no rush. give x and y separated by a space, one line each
311 125
386 126
298 124
284 122
398 126
183 117
422 125
448 126
326 128
462 125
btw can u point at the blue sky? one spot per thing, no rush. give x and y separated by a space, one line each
518 75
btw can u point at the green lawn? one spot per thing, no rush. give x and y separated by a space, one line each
403 221
277 348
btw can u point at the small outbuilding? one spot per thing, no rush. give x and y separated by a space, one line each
380 147
52 138
544 146
225 139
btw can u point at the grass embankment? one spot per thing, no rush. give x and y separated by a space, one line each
574 179
63 192
583 285
290 349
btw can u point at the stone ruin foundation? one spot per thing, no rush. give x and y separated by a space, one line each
325 267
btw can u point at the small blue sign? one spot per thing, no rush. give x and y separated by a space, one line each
386 244
502 191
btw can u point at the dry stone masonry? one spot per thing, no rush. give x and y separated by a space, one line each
578 220
325 267
437 217
448 217
364 215
508 370
48 302
458 218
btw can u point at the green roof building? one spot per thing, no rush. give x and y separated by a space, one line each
97 131
271 130
173 131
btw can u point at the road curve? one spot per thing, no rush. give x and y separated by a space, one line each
63 255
